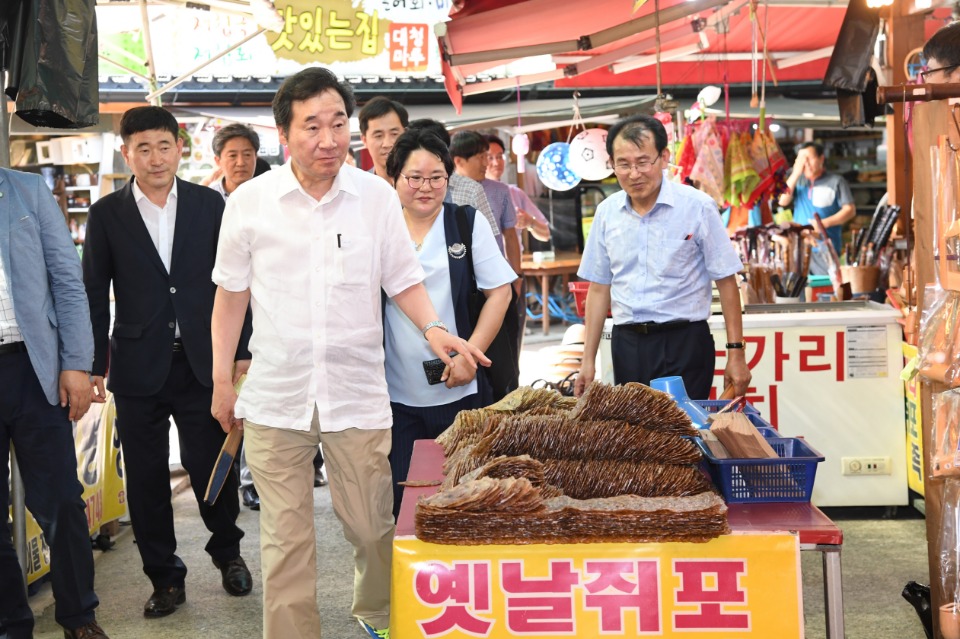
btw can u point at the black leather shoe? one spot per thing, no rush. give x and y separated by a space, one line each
250 497
91 630
236 577
164 601
319 479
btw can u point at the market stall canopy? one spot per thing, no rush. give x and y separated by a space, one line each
603 43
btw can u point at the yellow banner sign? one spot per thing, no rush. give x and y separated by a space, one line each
911 393
100 470
332 32
735 586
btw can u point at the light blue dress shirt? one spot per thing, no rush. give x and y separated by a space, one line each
659 266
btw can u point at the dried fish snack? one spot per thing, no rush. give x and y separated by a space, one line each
526 398
592 479
503 467
557 437
489 511
463 462
486 495
635 403
466 429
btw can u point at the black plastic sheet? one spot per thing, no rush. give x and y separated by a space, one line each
53 63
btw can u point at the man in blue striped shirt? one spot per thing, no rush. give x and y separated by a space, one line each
651 255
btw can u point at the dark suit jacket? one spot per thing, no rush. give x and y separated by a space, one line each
149 301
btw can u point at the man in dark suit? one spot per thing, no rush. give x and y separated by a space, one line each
155 240
45 357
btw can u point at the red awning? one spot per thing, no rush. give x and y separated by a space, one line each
603 33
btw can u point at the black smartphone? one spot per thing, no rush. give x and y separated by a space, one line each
434 370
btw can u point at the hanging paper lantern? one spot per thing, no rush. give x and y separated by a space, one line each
588 155
520 144
553 169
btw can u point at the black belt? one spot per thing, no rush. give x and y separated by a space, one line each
646 328
13 347
177 345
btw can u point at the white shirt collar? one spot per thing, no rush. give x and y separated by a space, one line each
345 181
139 195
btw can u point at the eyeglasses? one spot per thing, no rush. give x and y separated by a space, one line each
643 166
416 181
925 72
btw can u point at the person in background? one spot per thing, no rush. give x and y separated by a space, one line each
469 150
46 354
812 190
653 250
420 165
382 120
154 241
462 190
942 55
310 246
529 217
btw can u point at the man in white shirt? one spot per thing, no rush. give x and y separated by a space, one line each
310 245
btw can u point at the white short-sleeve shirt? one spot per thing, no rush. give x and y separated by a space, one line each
315 270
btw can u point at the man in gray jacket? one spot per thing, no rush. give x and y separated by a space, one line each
46 354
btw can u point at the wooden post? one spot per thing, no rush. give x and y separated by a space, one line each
905 33
937 114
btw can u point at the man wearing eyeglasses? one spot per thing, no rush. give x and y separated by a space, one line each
651 255
942 53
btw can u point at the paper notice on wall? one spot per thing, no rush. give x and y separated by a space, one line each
866 352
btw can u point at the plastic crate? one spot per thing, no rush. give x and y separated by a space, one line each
579 290
789 478
714 406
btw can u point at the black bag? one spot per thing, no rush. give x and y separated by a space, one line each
503 374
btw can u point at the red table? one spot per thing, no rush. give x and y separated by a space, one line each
816 531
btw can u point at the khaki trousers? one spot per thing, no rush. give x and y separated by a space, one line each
360 487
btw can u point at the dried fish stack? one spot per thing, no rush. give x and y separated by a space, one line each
637 404
503 467
466 425
594 479
513 511
557 437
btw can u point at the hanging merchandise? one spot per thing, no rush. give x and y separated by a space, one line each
946 433
741 176
520 145
707 172
553 167
938 350
946 214
588 155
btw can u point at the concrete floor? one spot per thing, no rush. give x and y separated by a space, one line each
879 557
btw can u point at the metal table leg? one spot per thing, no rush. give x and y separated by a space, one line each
832 591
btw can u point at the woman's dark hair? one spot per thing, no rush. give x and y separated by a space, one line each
304 85
634 128
817 148
433 126
410 141
147 118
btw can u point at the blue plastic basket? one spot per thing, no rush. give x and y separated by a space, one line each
714 406
746 481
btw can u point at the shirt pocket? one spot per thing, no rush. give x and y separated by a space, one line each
350 262
679 260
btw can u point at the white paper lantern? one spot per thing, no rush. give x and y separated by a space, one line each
588 155
520 144
553 168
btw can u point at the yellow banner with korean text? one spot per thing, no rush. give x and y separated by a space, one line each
331 31
913 420
740 585
100 470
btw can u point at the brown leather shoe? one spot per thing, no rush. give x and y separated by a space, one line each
236 576
164 601
91 630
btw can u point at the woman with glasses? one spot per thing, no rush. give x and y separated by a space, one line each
419 167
